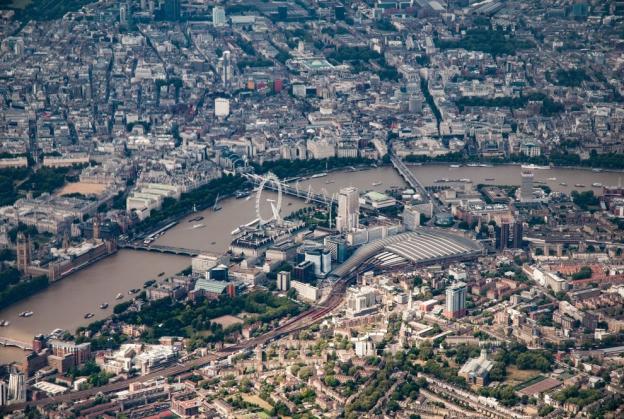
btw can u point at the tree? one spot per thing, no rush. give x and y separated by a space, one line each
498 372
584 199
540 360
584 273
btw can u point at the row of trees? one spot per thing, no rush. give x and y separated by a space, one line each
360 59
578 396
492 41
46 179
8 179
549 106
48 10
9 277
21 290
288 168
569 78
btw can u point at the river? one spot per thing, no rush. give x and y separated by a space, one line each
64 303
214 232
511 175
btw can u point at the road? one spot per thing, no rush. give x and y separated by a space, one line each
297 323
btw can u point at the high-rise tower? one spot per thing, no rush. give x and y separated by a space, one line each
526 188
348 218
218 17
455 301
17 387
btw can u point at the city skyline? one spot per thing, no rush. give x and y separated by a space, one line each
379 208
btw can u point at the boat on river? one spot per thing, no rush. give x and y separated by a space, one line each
317 175
534 167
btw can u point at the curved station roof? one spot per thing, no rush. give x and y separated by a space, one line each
426 245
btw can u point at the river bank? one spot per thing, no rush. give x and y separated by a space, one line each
609 161
497 164
64 303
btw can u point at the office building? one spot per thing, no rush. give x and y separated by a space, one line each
526 188
204 262
4 393
305 292
337 246
218 17
278 85
517 235
321 259
411 218
502 235
17 387
364 347
283 280
304 271
455 301
81 352
226 68
362 300
348 218
222 107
